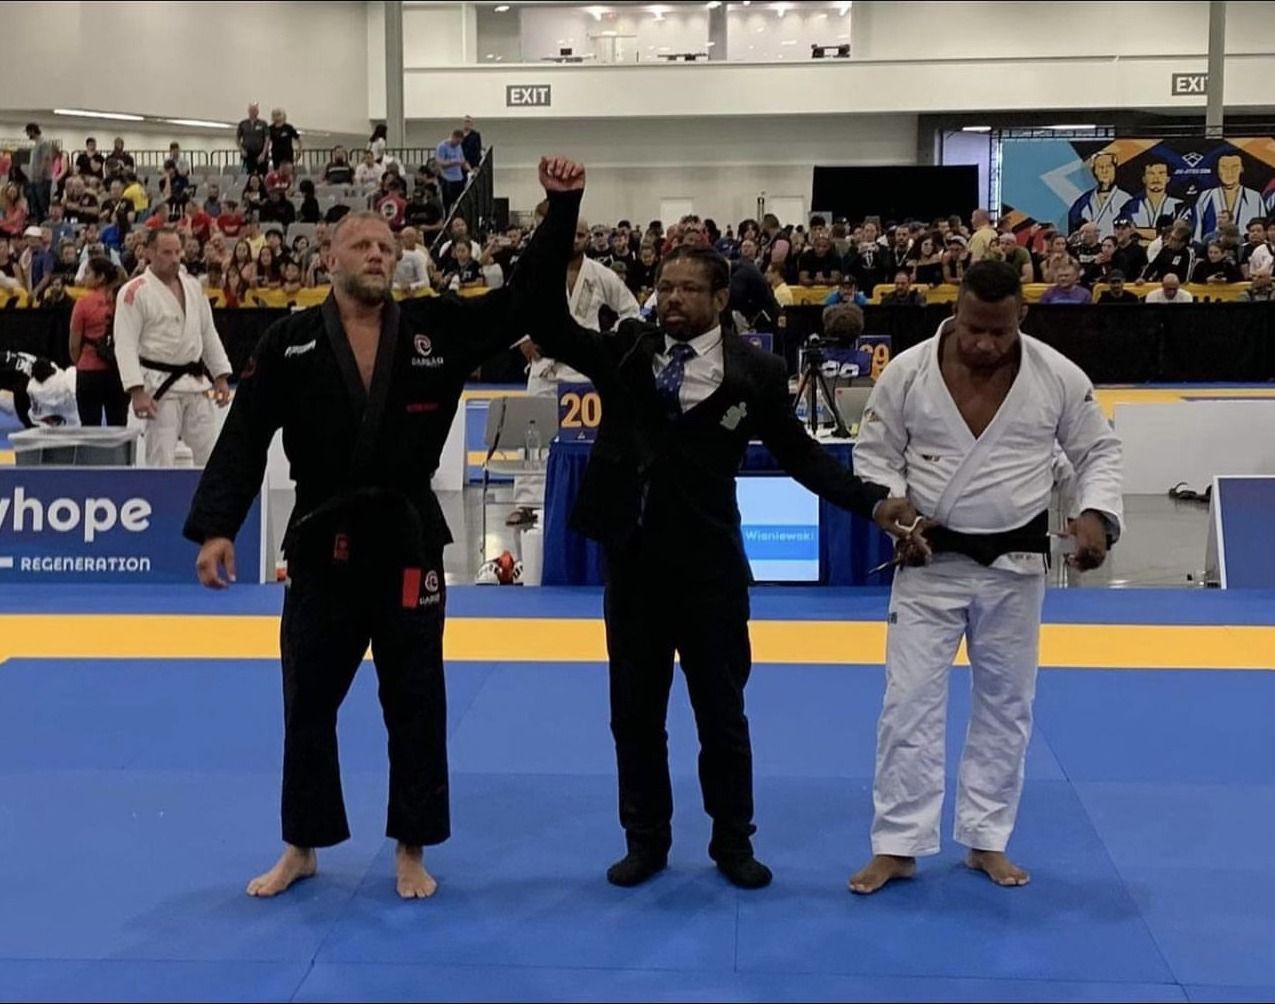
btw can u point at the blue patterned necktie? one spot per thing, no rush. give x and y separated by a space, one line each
669 383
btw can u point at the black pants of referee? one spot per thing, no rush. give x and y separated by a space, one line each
98 396
331 612
651 613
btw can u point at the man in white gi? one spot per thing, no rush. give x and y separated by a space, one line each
965 424
590 287
167 348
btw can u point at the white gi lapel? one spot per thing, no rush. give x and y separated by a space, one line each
980 449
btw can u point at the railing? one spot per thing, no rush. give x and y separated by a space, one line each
475 204
314 160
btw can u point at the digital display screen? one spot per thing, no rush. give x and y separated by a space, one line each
780 523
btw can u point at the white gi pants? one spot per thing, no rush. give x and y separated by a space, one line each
186 415
931 608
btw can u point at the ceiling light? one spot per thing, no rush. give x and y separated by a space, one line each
502 8
843 9
1068 126
81 113
200 122
789 41
976 128
782 8
713 4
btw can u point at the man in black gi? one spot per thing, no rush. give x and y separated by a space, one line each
365 400
681 401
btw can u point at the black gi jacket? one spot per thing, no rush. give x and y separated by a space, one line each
362 461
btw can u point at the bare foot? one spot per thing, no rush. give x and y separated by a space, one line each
999 868
414 882
881 869
294 864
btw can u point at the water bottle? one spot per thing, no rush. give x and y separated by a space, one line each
532 454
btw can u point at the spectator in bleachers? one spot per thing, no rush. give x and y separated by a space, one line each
254 194
599 248
274 241
195 222
778 287
212 200
471 144
956 258
235 288
1056 259
899 253
622 252
425 212
316 273
131 261
256 239
465 272
1008 249
214 275
80 203
114 199
91 163
378 142
1224 218
115 233
1087 248
640 277
181 163
368 173
1263 257
1115 291
1175 256
119 161
459 235
54 295
192 256
1130 257
1170 291
1066 287
39 172
390 203
215 251
284 143
10 275
281 179
230 220
1254 238
797 245
253 137
300 250
37 256
277 209
92 249
820 265
269 275
135 192
338 170
292 279
242 262
747 251
309 211
1216 268
926 261
14 211
903 294
451 166
1261 289
412 273
57 224
983 234
847 291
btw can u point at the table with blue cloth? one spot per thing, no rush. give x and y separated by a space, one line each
849 547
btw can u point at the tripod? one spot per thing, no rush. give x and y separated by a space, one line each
813 385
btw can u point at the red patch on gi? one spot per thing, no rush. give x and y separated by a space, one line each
130 291
416 407
341 548
411 588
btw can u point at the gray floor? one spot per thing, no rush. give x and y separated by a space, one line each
1163 543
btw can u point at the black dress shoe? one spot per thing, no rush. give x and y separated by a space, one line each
747 873
635 868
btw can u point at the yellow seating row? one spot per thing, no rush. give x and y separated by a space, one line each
308 297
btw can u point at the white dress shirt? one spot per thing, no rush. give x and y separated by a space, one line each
703 372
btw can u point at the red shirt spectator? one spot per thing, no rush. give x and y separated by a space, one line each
90 320
196 222
231 221
393 207
280 179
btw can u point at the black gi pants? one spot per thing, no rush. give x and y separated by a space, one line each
98 395
331 612
651 612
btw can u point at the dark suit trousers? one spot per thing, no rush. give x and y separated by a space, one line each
652 612
330 615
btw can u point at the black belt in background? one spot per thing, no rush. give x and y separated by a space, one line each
175 372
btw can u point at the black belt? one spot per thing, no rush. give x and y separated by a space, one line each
385 519
175 372
985 548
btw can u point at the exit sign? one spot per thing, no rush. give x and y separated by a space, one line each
1189 84
518 96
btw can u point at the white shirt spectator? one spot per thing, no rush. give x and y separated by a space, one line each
1261 259
412 271
368 174
1157 296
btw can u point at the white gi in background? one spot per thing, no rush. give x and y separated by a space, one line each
151 324
595 286
914 441
1248 204
53 400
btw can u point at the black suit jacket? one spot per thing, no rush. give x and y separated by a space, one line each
674 479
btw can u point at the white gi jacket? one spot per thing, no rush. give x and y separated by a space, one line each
150 323
913 440
53 401
595 286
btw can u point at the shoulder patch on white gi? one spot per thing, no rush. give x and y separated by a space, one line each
300 350
734 415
